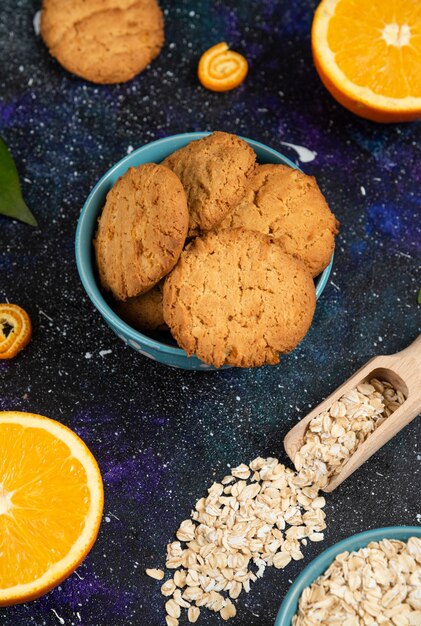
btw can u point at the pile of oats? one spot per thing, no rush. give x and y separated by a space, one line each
333 436
263 513
260 515
379 584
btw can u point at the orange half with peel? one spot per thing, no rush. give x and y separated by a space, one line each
222 69
51 502
19 326
368 55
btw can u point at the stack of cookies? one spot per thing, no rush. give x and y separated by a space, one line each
217 250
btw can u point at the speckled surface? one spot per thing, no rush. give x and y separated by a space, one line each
161 435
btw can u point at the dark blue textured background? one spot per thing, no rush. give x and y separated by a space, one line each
161 436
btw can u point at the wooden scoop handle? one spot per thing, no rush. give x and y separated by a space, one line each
407 363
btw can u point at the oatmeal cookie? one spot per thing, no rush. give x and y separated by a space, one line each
144 312
288 205
141 231
104 41
237 297
214 171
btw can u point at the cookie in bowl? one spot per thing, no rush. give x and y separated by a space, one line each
236 297
144 312
141 231
214 172
289 206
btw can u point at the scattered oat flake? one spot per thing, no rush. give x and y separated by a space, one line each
168 587
193 614
263 514
228 611
173 609
158 574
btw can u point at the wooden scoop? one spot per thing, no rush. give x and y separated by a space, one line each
403 371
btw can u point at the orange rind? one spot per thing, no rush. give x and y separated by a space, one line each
19 333
368 55
51 503
222 69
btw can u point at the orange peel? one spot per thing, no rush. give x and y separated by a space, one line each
222 69
20 330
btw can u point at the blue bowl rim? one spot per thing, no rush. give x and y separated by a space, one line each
355 542
95 294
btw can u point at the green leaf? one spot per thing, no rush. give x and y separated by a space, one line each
11 202
419 296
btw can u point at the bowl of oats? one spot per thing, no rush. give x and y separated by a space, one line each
377 572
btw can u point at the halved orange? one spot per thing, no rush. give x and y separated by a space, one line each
51 502
222 69
368 55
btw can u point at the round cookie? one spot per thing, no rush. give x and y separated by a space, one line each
144 312
288 205
104 41
236 297
141 231
214 171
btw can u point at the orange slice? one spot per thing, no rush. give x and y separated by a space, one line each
368 55
51 501
222 69
20 330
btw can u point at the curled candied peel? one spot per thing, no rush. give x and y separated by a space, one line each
222 69
15 330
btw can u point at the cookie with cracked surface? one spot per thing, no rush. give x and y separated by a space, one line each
288 205
214 171
103 41
236 297
144 312
141 231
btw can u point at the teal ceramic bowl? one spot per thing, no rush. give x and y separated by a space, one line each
157 347
322 562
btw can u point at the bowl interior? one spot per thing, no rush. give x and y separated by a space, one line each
155 152
321 563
